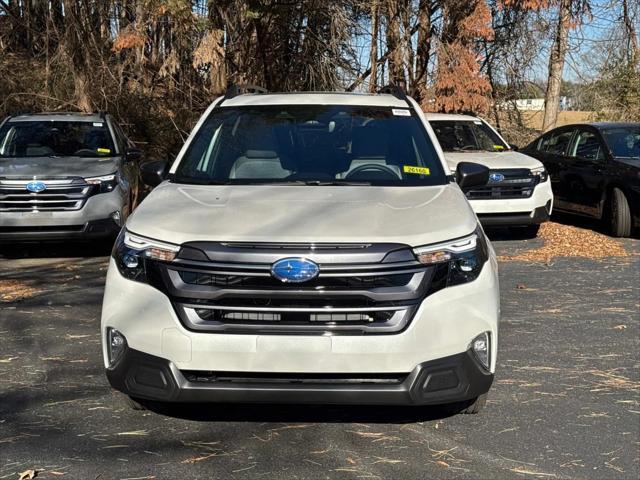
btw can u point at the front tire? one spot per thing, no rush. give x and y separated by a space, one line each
620 214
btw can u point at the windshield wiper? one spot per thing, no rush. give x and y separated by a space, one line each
198 181
336 182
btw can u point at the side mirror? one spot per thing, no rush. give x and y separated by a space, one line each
470 175
515 148
154 173
132 155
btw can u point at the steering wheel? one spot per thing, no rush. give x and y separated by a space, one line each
372 166
469 147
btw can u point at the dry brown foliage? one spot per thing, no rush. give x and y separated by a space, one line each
15 290
569 241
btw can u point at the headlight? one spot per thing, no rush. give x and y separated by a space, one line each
106 182
131 252
541 173
459 261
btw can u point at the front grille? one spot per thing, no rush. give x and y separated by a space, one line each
60 195
349 296
240 281
517 183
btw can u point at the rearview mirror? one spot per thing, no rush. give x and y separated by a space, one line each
154 173
469 174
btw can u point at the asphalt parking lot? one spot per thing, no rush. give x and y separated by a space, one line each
565 403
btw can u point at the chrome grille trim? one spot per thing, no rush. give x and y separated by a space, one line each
60 195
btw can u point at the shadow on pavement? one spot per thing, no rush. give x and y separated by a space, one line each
218 412
66 249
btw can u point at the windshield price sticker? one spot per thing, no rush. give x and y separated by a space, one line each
477 122
97 124
416 170
400 112
498 147
103 150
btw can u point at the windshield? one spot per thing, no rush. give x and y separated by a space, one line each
467 135
311 144
624 142
55 139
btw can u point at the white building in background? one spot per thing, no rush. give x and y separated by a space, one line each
530 104
537 104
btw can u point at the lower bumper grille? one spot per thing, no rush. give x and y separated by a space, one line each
296 321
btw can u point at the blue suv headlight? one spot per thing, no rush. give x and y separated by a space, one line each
106 183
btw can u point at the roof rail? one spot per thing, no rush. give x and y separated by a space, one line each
395 90
235 90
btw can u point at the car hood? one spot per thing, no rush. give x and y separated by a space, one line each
275 213
493 160
632 162
47 167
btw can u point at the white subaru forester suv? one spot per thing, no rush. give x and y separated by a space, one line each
305 248
518 193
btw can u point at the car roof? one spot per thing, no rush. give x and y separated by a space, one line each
315 98
598 125
60 117
449 117
614 124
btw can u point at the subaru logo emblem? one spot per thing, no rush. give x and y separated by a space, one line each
36 187
294 270
496 177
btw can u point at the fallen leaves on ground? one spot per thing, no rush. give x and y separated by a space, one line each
569 241
15 290
27 475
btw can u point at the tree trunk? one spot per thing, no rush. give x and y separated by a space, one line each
423 49
556 65
394 44
373 53
632 36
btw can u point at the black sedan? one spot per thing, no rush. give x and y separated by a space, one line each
595 171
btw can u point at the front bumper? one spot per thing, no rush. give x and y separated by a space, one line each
445 380
536 217
516 211
444 325
93 220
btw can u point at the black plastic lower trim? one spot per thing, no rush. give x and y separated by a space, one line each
103 228
538 216
446 380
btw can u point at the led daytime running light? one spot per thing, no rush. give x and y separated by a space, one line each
154 249
99 180
443 252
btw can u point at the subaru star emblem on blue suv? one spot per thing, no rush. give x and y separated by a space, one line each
294 270
36 187
496 177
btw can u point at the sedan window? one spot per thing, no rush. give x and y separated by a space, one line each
587 146
556 143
